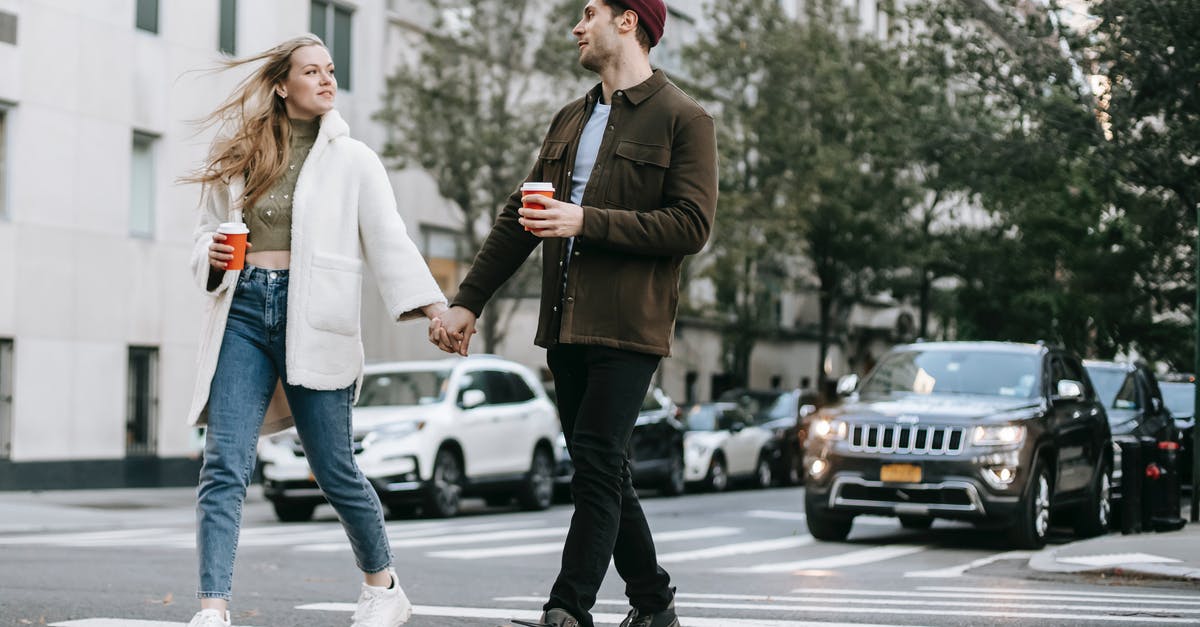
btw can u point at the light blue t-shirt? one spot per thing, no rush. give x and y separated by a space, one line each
585 161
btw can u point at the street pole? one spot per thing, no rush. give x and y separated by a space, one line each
1196 386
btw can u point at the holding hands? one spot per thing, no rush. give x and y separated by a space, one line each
451 329
553 218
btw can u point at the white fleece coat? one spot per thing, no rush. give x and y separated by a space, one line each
343 214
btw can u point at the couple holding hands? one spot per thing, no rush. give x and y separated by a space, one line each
635 164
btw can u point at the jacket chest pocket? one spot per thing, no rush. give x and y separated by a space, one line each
553 162
636 177
335 294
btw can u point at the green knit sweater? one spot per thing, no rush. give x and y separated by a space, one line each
270 220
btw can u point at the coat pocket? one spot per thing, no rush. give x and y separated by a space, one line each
637 175
335 294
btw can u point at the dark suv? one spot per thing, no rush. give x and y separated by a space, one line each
989 432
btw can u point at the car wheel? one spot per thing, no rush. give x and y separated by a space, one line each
444 490
1095 515
825 525
538 490
916 522
674 484
717 479
293 512
1033 518
762 473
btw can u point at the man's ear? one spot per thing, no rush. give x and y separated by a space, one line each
629 21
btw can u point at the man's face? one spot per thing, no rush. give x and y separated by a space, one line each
597 35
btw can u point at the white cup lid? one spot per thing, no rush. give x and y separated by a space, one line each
537 187
233 228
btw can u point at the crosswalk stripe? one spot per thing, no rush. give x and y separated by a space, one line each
556 547
682 597
853 558
454 538
1012 595
957 571
997 612
119 622
1132 595
740 548
600 618
84 539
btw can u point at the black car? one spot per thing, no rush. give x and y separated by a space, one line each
1133 399
782 412
656 446
994 433
1179 394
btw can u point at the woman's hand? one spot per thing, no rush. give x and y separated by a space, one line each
219 255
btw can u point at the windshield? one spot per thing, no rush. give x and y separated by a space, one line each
986 373
1114 387
1180 398
784 406
417 387
702 418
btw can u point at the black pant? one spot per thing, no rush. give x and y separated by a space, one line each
600 391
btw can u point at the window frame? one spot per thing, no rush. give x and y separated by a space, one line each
150 141
227 15
7 365
147 447
329 11
147 22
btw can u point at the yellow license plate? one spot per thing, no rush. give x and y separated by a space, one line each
900 473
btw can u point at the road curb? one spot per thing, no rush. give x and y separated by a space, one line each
1047 561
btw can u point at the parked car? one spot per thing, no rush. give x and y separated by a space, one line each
782 412
1179 394
430 432
994 433
1133 399
656 445
723 444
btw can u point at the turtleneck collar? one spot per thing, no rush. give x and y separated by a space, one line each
305 129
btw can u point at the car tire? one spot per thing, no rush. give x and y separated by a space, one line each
825 525
293 512
763 475
444 490
717 479
1095 515
537 491
674 483
916 522
1033 516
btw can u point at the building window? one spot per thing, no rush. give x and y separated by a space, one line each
8 28
147 15
6 398
3 161
443 252
331 23
227 39
142 188
141 423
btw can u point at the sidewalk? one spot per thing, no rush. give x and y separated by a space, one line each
1167 555
80 510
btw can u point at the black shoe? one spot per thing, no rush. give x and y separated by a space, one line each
553 618
665 618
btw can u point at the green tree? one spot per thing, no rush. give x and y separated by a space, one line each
470 111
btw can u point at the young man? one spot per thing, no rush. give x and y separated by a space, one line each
634 168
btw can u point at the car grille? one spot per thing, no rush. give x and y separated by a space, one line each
298 449
920 495
907 439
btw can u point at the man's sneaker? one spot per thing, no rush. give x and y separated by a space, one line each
210 618
551 618
665 618
382 607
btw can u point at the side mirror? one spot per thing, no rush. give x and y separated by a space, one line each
472 399
737 426
847 384
1069 390
807 409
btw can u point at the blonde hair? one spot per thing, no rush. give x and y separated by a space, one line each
253 126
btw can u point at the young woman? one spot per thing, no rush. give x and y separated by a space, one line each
282 343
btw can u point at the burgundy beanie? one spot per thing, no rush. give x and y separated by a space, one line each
652 14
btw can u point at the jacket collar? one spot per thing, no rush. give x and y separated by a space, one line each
636 95
332 126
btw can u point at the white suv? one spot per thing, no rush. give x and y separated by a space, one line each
430 432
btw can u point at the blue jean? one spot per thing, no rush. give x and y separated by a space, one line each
251 362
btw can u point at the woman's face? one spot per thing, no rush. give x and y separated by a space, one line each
310 87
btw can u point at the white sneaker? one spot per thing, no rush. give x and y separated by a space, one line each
382 607
210 618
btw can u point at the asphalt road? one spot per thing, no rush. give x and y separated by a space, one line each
112 559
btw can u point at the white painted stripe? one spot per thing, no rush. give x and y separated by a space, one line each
1080 593
984 594
958 571
465 538
997 612
556 547
740 548
853 558
682 599
118 622
603 619
71 539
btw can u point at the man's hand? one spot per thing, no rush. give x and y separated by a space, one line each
452 330
554 218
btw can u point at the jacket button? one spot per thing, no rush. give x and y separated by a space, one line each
577 253
555 308
611 127
570 299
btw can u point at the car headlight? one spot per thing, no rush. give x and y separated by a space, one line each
394 431
697 449
826 429
998 435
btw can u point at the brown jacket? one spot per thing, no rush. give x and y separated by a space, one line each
649 202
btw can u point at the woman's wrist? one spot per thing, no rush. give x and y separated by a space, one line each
434 310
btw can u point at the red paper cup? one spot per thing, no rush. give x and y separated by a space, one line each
540 189
235 235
